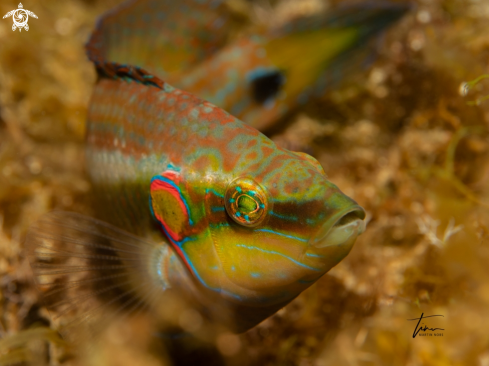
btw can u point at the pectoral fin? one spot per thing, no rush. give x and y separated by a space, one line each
90 272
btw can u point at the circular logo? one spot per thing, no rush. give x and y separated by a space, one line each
20 18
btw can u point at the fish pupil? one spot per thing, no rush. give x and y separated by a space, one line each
267 86
247 204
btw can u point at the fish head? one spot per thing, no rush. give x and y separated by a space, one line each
251 221
261 231
278 227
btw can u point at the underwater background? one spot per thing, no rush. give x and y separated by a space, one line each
406 138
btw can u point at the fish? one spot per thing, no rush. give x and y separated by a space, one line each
259 76
193 202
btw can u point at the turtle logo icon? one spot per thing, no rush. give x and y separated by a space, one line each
20 17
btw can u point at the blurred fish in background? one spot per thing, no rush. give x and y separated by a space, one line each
260 75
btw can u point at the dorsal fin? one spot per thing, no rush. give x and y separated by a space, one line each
115 70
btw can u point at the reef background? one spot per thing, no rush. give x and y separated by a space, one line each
400 138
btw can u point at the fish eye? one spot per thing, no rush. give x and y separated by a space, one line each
267 86
246 202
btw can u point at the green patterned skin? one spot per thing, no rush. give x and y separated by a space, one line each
252 223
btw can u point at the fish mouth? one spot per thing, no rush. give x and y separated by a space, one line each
343 228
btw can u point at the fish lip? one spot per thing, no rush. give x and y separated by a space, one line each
326 229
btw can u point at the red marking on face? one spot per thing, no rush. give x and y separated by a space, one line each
174 176
165 186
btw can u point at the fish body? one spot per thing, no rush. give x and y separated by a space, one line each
241 213
213 210
193 200
259 76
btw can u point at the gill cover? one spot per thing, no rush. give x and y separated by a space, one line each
169 206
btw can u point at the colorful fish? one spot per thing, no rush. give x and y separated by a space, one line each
250 225
194 201
258 77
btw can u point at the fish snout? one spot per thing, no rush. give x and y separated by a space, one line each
343 228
